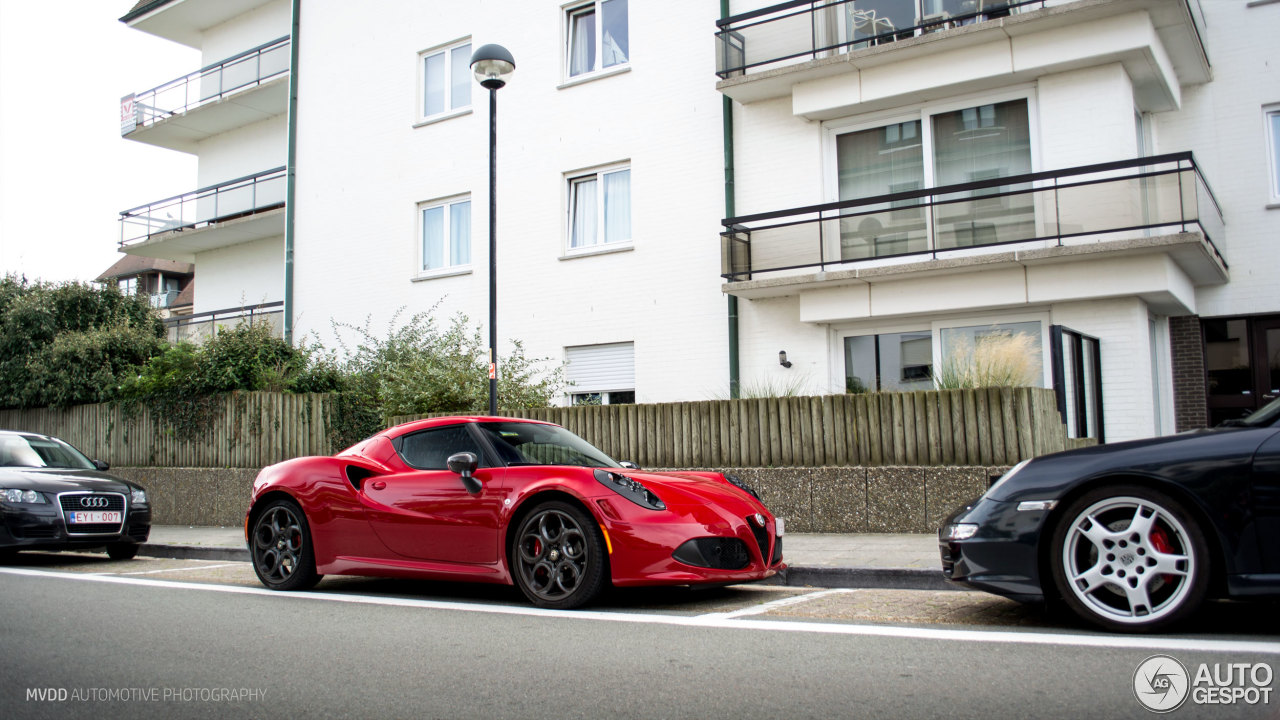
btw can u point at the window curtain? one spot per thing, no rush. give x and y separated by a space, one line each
981 143
460 76
582 43
584 216
617 206
613 18
460 233
433 84
433 238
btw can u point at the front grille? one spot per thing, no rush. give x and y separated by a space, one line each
72 502
714 552
777 552
33 533
762 537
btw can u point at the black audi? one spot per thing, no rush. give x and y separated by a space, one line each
52 497
1131 536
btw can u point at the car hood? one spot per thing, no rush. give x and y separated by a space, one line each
688 488
58 480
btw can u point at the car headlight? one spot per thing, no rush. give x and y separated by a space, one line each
991 491
959 531
736 482
14 495
633 490
138 497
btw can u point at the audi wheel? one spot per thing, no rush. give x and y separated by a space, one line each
1129 558
122 551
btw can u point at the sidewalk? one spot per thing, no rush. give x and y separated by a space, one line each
901 561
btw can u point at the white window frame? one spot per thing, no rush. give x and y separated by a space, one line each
567 12
422 118
1046 359
421 273
1269 112
600 246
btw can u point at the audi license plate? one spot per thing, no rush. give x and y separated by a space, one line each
94 517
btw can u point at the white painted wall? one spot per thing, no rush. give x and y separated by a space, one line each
243 151
260 25
246 274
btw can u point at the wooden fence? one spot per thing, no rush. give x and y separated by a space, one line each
989 426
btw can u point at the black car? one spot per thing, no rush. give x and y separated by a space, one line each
54 498
1131 536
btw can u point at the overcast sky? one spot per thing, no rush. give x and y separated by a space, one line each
65 172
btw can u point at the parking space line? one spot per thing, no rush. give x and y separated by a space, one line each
775 604
1268 647
179 569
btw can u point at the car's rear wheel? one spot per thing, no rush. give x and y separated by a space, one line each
558 556
1130 558
122 551
283 557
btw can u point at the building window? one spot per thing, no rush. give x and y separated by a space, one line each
1273 146
446 235
896 362
446 80
601 374
996 355
128 286
936 148
600 208
597 36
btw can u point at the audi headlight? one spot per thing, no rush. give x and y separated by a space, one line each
138 497
14 495
633 490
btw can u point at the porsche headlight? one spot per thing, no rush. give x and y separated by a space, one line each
14 495
631 489
138 496
991 491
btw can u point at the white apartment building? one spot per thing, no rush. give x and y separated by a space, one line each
232 114
904 179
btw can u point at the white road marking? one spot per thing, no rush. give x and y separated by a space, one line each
775 604
710 622
177 569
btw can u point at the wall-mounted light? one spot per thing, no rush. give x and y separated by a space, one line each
782 359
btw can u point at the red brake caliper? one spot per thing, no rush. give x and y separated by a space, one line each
1160 541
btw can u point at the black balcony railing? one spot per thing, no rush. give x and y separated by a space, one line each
200 208
202 326
809 29
211 83
1075 206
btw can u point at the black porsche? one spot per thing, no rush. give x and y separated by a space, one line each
54 498
1131 536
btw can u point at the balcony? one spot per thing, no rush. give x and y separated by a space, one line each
1153 206
241 210
199 327
238 91
184 21
892 48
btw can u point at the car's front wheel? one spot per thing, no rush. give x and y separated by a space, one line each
280 544
1130 558
122 551
558 556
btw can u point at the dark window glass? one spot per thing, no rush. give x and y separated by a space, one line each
1226 345
430 449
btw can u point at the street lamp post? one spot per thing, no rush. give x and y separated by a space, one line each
492 65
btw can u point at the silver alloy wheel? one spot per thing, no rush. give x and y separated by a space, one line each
1129 560
277 544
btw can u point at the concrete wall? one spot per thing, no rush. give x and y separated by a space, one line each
811 500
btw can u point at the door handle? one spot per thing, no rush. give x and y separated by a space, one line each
379 485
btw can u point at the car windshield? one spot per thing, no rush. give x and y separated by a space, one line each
536 444
1265 416
33 451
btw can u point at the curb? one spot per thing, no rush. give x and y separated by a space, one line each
866 578
194 552
795 576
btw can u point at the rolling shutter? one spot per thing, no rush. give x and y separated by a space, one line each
600 368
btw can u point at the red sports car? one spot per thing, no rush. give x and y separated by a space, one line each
499 500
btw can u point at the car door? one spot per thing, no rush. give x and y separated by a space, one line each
1266 501
427 513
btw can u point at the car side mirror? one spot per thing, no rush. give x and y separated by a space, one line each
102 465
465 464
629 465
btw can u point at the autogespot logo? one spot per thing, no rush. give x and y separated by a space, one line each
1161 684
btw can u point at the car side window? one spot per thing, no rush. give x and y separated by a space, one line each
430 449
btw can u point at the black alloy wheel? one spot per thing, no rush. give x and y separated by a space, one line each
1129 558
280 543
558 556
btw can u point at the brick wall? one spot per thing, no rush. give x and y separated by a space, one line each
1186 354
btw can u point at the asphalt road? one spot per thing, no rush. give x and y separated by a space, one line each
85 637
